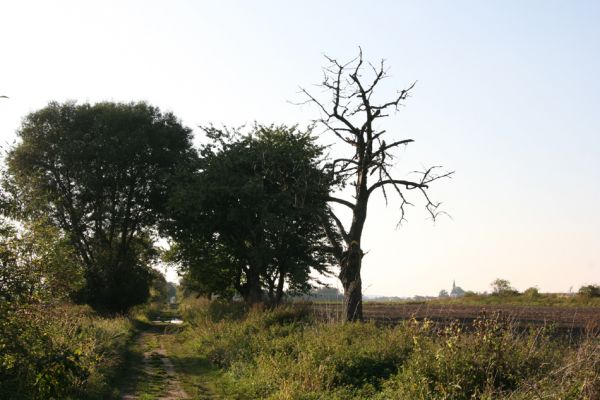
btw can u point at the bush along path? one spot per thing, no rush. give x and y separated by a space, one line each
152 374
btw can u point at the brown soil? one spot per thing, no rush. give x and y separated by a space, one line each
564 318
155 376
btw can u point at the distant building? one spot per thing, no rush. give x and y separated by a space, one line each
457 291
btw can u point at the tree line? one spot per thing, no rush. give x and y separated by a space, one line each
250 212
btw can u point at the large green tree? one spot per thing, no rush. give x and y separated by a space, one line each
249 219
101 174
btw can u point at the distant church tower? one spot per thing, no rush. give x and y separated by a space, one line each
457 291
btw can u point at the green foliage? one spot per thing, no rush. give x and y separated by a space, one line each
272 352
589 291
100 173
198 311
159 287
58 352
576 376
48 349
503 287
285 354
491 360
172 290
37 264
250 218
532 293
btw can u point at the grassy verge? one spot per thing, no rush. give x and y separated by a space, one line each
144 378
282 354
146 375
198 376
61 352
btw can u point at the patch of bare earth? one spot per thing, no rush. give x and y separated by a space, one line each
155 376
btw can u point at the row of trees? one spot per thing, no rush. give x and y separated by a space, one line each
248 218
253 213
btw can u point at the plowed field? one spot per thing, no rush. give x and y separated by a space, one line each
577 318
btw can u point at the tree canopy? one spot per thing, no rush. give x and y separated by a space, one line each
248 221
100 173
502 287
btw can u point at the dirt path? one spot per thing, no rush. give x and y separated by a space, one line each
153 375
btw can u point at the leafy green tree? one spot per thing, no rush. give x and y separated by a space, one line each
502 287
158 289
249 220
101 174
206 266
589 291
532 293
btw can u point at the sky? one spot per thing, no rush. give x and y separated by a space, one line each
507 96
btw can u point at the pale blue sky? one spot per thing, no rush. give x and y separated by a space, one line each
508 95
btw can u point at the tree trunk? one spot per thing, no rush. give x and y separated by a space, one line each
279 292
352 117
271 290
254 291
352 283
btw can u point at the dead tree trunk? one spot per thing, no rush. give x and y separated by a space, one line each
350 277
352 118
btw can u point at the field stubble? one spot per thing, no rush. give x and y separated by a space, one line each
564 319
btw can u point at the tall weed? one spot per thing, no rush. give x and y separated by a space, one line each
284 354
58 352
492 359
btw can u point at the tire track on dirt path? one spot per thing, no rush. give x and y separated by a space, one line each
154 376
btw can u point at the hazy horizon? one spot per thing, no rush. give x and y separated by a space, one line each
507 96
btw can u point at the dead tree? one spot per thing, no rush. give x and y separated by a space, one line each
352 117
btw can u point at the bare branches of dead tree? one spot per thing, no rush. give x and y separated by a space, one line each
352 116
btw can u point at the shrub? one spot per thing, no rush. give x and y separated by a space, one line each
58 352
219 310
200 310
532 293
453 364
503 287
589 291
284 354
576 376
287 314
335 361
